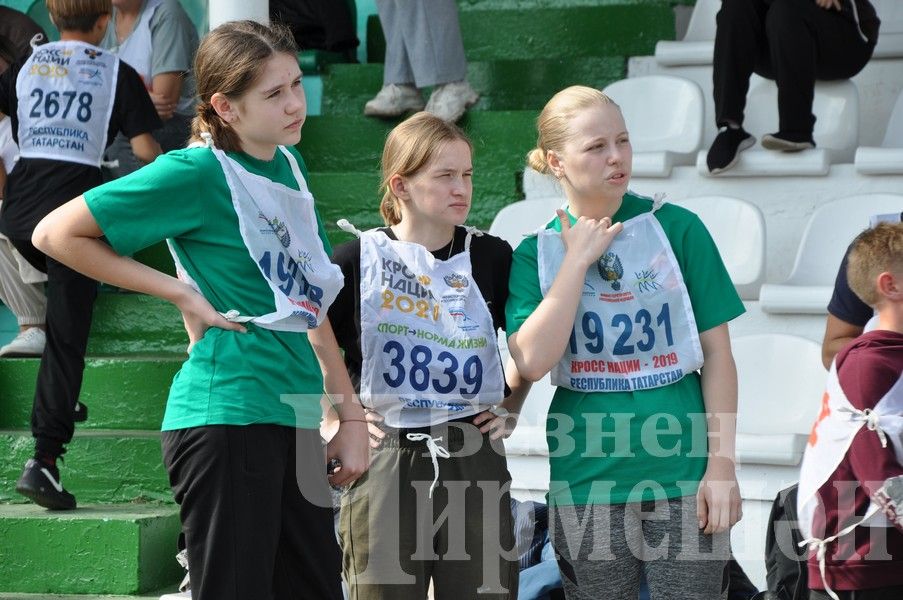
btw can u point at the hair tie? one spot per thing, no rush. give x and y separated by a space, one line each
208 138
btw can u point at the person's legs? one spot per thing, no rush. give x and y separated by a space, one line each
595 545
478 471
740 47
25 299
229 483
679 560
398 95
308 560
379 525
808 43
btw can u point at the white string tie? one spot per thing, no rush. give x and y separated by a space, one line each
870 417
435 451
345 225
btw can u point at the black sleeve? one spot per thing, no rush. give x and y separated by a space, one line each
491 258
845 304
8 100
345 311
133 111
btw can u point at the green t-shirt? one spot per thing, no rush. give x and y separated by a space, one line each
605 447
230 378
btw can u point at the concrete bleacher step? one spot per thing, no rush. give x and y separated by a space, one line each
127 324
102 466
503 84
124 549
121 393
539 29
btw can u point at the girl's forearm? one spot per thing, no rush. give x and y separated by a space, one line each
336 382
719 392
70 235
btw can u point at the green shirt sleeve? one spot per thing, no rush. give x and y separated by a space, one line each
149 205
712 294
524 292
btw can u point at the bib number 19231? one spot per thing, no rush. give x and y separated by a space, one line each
48 105
592 328
418 373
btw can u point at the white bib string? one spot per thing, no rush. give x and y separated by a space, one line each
435 451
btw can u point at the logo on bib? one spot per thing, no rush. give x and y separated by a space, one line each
588 290
424 280
646 281
610 269
277 227
93 54
463 322
456 281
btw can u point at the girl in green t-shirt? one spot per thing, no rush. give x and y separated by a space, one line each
623 300
248 473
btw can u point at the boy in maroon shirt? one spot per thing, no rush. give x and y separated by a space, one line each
865 563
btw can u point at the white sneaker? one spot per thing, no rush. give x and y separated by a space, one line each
450 100
177 596
394 100
28 343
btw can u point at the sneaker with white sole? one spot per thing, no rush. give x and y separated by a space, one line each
449 100
28 343
784 143
41 483
394 100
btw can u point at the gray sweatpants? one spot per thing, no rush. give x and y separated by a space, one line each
21 286
423 42
602 550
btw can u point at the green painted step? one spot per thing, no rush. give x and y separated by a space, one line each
105 466
501 140
503 84
353 196
126 549
493 31
136 324
121 393
153 595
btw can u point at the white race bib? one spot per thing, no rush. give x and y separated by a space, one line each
831 437
428 342
66 93
279 227
634 328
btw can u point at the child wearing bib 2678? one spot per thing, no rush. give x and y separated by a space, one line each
623 315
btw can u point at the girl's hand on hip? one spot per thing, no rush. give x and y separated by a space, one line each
198 315
587 239
718 504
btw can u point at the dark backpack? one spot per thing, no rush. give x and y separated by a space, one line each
785 562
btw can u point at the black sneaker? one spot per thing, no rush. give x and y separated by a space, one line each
726 148
41 483
80 413
786 143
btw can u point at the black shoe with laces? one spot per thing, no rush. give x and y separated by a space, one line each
726 148
41 483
